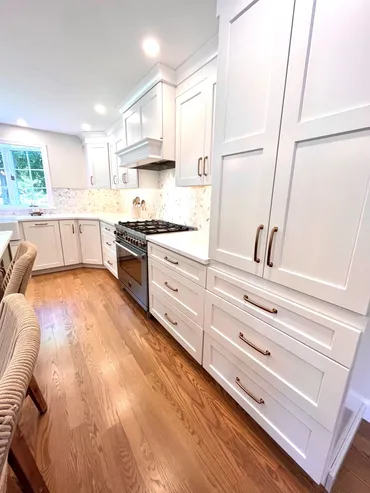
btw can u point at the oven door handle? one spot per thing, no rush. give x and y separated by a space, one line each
127 249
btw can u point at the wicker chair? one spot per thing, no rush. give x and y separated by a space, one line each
19 347
16 281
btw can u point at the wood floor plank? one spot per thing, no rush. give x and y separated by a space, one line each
130 411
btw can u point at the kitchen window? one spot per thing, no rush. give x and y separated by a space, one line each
24 176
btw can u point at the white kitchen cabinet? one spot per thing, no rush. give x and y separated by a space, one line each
70 242
252 61
120 177
97 162
321 202
144 118
194 132
46 236
90 240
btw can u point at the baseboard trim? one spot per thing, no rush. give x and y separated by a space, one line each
366 415
67 267
346 444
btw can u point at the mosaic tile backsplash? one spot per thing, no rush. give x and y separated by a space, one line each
183 205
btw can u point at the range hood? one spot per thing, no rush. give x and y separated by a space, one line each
145 154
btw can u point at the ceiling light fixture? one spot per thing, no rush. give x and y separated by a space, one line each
22 123
86 127
99 108
151 47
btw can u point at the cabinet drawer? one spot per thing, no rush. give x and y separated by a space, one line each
107 229
110 261
312 381
328 336
184 330
297 433
185 295
188 268
107 241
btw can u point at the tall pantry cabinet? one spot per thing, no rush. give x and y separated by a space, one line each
290 222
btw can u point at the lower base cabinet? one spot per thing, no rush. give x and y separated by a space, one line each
90 240
46 236
70 242
303 438
185 331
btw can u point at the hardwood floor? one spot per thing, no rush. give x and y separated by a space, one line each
130 411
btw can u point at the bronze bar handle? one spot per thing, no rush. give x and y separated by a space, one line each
109 262
238 382
171 261
73 228
91 180
256 241
270 310
200 166
109 244
115 179
41 224
205 172
123 178
171 321
170 287
80 229
271 240
264 352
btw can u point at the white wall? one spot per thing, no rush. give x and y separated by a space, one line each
65 153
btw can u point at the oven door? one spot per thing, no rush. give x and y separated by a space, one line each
133 271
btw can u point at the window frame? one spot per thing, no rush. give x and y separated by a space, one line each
46 167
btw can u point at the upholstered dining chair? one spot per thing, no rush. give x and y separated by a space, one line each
19 347
16 281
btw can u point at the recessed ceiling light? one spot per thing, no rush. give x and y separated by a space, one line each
86 127
151 47
99 108
22 123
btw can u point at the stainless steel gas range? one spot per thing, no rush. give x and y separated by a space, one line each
132 258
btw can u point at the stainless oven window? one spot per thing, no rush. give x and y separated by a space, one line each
130 262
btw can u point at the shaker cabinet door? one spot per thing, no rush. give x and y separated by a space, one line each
90 242
46 236
321 202
191 121
252 62
70 242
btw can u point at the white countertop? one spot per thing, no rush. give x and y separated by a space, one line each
5 237
108 217
190 244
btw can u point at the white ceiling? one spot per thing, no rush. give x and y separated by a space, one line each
59 58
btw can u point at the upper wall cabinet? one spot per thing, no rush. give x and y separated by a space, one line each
120 177
317 237
194 134
252 62
97 163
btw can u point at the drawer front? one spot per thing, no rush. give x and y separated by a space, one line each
107 229
328 336
185 295
107 241
299 435
110 261
312 381
184 330
188 268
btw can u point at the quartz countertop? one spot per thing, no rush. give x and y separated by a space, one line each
5 237
190 244
107 217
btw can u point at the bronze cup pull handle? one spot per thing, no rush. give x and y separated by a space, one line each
271 240
256 241
256 399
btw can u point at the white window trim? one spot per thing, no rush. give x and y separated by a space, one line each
45 162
